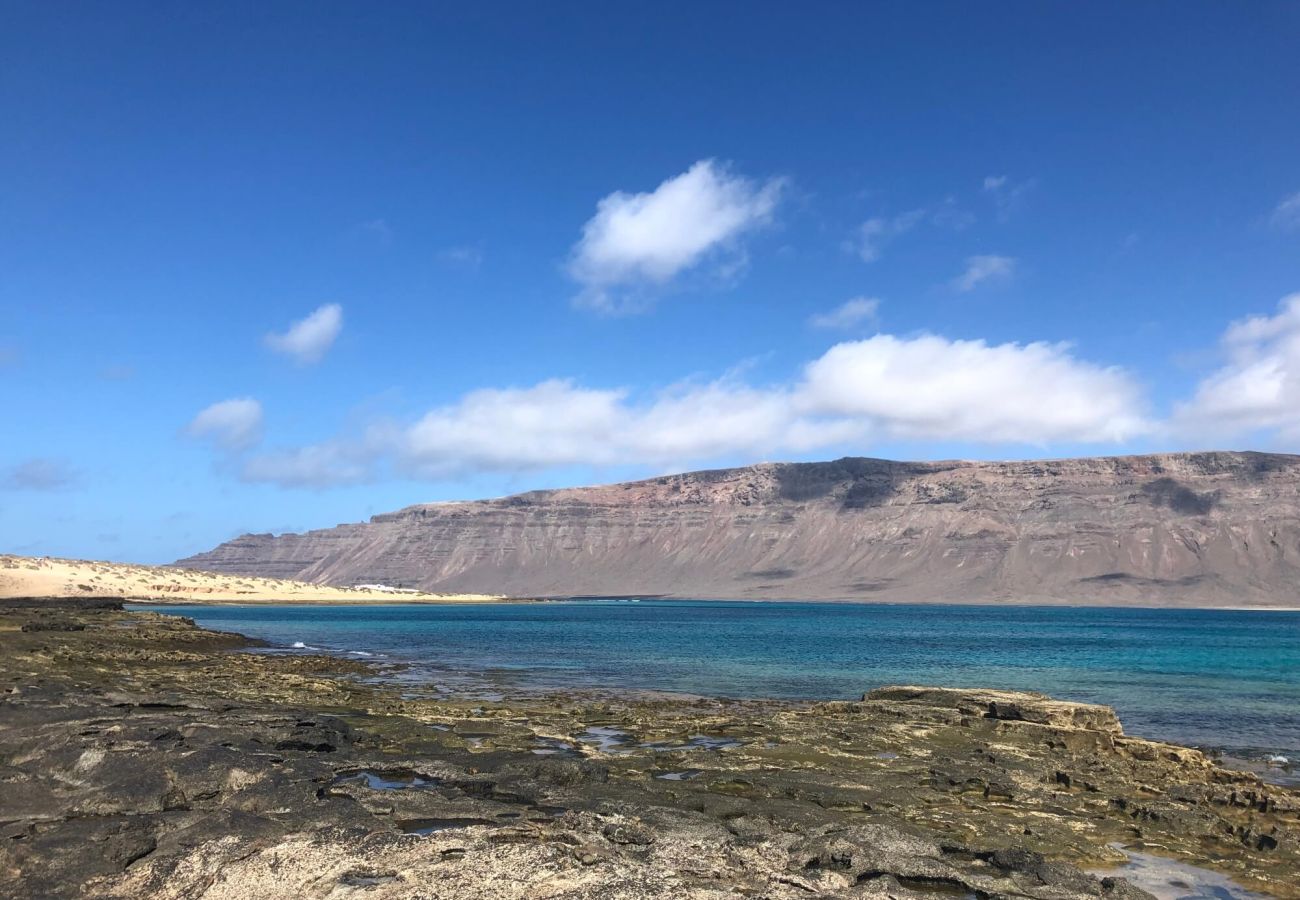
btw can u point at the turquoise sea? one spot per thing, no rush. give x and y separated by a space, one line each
1220 679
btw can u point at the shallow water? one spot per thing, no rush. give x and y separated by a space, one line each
1223 679
1169 879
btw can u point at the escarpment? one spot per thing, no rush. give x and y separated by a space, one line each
1169 529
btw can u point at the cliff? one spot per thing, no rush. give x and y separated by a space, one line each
1184 529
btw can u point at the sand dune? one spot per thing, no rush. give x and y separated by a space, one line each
22 576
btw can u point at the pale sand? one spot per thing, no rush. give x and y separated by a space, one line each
23 576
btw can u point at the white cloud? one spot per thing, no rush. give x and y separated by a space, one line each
550 424
872 235
924 387
234 424
935 388
981 269
307 340
1259 387
557 423
1287 213
849 314
643 241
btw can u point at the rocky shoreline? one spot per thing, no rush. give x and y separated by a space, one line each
141 756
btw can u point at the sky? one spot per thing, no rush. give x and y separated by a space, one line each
270 267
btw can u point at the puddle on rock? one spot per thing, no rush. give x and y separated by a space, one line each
554 747
694 742
685 775
606 739
387 781
1169 879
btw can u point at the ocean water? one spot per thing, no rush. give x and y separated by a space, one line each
1219 679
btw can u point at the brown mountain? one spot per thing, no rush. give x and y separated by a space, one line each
1186 529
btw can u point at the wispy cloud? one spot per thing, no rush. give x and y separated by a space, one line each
468 256
849 314
983 269
1007 195
315 466
870 239
375 230
637 244
307 340
39 474
1287 213
231 425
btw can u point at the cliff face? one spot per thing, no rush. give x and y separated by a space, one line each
1175 529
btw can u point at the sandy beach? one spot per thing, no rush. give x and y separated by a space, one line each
22 576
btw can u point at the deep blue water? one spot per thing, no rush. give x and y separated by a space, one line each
1229 680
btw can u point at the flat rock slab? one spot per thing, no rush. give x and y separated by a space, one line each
1013 706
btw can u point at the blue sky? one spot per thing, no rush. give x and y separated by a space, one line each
275 266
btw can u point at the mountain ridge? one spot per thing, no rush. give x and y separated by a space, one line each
1186 529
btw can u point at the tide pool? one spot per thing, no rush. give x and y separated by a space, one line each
1227 680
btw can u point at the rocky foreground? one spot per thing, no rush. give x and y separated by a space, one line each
141 757
1173 529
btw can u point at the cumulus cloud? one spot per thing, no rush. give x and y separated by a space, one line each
921 387
234 424
935 388
1259 386
640 242
981 269
307 340
849 314
1287 213
39 474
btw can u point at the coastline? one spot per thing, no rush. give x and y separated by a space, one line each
65 579
1025 602
188 731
